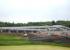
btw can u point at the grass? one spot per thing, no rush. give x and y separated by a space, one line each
13 40
10 42
7 40
33 47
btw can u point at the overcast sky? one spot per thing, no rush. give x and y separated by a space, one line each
23 11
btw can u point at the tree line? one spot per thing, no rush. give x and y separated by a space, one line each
8 24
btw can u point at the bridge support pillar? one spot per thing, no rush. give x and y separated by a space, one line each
9 31
1 30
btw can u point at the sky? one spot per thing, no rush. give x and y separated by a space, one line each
23 11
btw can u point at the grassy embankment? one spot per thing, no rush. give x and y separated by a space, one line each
18 40
13 40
